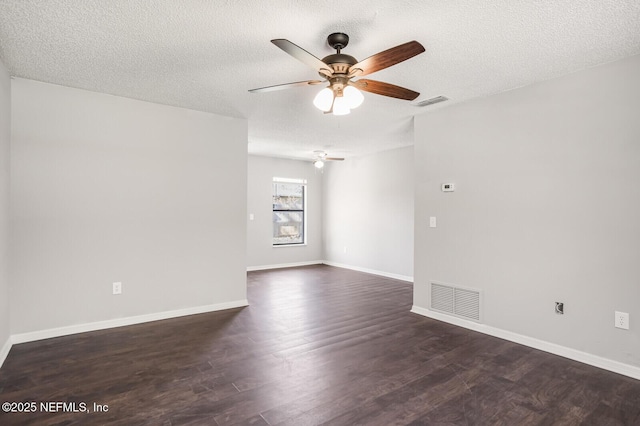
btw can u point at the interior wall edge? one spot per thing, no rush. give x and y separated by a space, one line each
283 265
370 271
121 322
563 351
5 350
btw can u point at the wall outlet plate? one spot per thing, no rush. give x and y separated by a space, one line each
622 320
117 288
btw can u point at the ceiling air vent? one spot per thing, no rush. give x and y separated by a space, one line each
431 101
458 301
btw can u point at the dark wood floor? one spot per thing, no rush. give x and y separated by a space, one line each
318 345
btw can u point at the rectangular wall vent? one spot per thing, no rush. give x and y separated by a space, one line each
459 301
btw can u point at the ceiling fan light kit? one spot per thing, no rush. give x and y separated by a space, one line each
353 96
344 94
339 101
321 157
324 99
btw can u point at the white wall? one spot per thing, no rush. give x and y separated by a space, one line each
368 209
260 252
547 207
111 189
5 136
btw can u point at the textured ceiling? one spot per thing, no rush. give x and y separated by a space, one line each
205 55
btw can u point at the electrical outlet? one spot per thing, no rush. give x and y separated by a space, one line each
117 288
559 308
345 249
622 320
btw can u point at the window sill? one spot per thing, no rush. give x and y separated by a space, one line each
289 245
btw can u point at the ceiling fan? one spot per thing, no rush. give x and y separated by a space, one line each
321 157
339 69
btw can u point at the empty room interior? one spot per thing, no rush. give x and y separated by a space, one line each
309 213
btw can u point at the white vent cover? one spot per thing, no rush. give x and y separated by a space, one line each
462 302
431 101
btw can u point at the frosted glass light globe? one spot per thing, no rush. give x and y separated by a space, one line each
353 96
324 99
340 106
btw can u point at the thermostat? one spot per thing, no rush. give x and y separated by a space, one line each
448 187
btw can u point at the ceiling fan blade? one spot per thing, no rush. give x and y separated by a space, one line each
385 89
286 86
303 56
333 159
387 58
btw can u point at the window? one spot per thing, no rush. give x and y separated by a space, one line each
289 211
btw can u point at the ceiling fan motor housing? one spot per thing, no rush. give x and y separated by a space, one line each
339 62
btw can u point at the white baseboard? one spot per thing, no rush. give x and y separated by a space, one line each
4 351
370 271
338 265
563 351
283 265
119 322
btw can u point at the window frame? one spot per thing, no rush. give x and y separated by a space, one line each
303 211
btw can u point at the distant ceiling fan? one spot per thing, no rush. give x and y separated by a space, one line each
321 157
339 69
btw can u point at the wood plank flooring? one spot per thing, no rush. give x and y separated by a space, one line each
317 345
